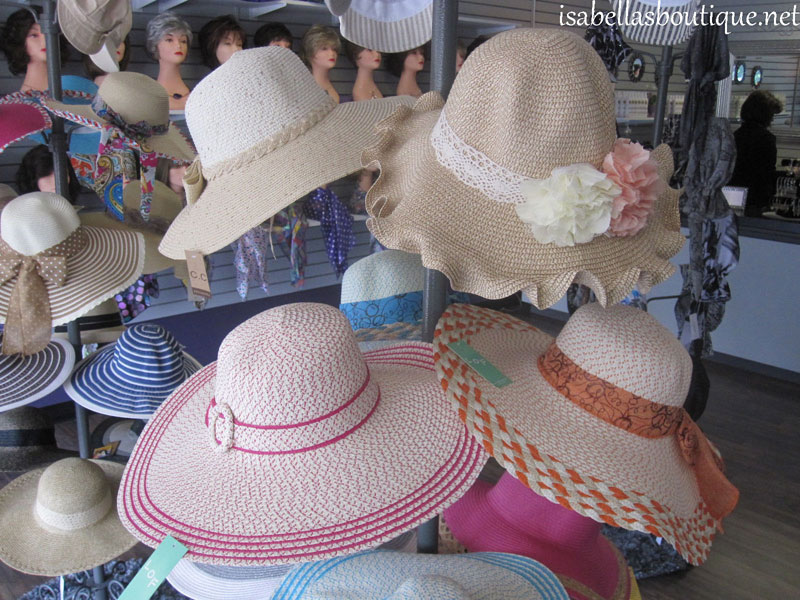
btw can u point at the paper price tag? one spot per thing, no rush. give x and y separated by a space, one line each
479 364
155 570
198 278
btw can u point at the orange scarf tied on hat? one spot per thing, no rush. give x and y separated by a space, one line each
644 418
29 322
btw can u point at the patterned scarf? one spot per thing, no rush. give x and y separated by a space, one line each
337 226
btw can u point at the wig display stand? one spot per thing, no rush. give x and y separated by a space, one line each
58 146
434 294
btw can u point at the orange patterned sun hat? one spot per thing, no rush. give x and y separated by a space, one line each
592 419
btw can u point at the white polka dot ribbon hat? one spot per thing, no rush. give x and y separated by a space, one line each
296 446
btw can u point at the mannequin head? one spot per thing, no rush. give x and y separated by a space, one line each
35 173
273 34
123 57
411 61
321 47
168 38
362 58
461 55
760 108
219 39
22 42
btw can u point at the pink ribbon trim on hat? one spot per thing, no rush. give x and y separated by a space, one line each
644 418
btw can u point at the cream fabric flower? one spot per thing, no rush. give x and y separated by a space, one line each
570 207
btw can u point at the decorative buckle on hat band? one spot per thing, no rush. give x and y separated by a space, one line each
317 432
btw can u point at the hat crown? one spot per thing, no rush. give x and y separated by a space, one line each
293 364
24 418
135 97
34 222
630 349
429 587
147 355
533 100
70 487
254 96
381 275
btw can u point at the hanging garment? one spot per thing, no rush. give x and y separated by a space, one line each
291 230
137 298
607 41
337 226
250 256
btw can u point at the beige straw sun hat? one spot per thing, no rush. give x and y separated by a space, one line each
96 28
62 519
266 135
54 270
592 419
501 188
294 446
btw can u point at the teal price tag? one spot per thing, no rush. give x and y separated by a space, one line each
155 570
479 364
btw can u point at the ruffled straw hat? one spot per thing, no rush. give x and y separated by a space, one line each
510 517
27 378
266 135
62 519
368 449
133 376
592 419
501 189
378 575
53 269
388 26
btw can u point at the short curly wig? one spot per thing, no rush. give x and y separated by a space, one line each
212 34
760 107
12 40
161 25
319 36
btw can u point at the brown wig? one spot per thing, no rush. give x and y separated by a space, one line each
212 34
12 40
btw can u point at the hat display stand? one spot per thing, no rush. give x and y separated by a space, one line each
58 146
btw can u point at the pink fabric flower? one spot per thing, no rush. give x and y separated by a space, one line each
631 168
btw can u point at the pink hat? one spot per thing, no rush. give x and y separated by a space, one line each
295 446
20 120
509 517
592 419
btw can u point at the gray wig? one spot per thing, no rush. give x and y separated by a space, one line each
161 25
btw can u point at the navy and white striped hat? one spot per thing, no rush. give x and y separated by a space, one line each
25 379
133 376
675 24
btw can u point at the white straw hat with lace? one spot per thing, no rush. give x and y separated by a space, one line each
62 519
266 135
519 182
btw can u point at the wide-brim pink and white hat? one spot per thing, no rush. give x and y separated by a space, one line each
21 119
295 446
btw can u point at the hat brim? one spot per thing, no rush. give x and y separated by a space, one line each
27 546
234 202
105 58
482 246
560 450
170 145
252 583
405 464
390 35
377 575
111 261
473 514
21 120
95 386
29 378
27 458
165 207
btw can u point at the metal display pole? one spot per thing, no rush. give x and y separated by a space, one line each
58 146
434 295
664 73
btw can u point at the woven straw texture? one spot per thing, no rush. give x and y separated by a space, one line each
166 205
529 117
366 449
25 379
392 575
560 450
28 440
266 135
110 261
136 98
509 517
381 275
21 120
388 26
132 377
87 24
71 485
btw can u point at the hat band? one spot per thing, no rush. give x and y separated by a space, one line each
138 130
228 433
576 203
21 438
77 520
639 416
400 308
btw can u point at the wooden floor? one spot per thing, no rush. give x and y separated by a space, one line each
755 422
